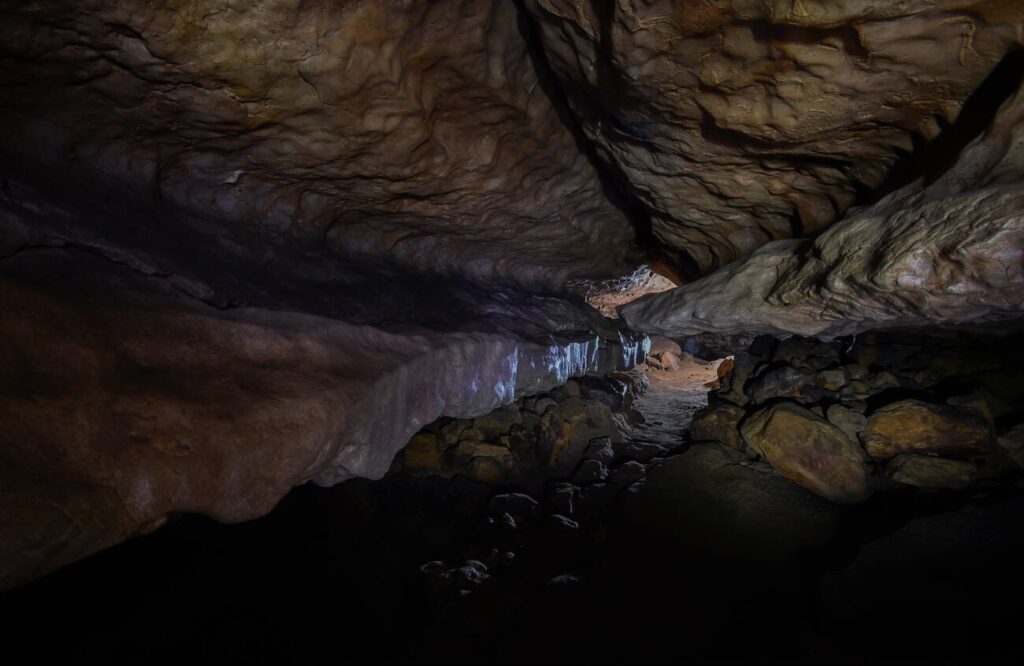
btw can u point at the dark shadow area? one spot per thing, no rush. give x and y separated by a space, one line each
931 159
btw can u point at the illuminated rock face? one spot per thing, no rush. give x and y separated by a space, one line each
246 245
948 252
737 123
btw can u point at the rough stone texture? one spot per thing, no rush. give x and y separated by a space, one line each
720 423
737 123
809 451
949 251
124 402
930 472
416 133
912 426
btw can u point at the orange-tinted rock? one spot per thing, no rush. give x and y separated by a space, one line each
809 451
912 426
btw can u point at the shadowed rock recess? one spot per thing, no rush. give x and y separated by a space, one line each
249 246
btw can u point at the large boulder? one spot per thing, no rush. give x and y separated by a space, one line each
912 426
809 451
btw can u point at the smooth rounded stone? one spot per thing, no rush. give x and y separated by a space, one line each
572 387
856 371
912 426
719 422
451 433
543 405
848 420
733 383
627 473
561 522
1011 442
498 422
913 469
710 500
589 472
809 451
423 452
831 380
610 392
507 522
511 503
636 380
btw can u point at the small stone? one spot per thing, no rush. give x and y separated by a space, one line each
848 420
572 387
498 422
564 579
507 522
831 380
560 522
590 471
512 503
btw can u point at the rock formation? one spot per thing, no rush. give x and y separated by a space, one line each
248 246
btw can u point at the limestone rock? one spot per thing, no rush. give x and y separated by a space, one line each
809 451
848 420
912 426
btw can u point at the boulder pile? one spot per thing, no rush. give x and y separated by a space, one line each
848 418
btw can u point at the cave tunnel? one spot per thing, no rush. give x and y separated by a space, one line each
511 331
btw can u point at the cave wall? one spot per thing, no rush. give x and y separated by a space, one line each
738 123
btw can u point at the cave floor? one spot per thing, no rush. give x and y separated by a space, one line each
704 555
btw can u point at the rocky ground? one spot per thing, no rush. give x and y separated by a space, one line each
672 551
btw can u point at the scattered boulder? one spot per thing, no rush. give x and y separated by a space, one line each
912 426
809 451
423 452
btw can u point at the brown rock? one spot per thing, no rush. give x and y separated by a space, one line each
930 472
809 451
423 452
912 426
720 423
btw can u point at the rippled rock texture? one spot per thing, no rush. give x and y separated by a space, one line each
950 251
246 245
738 123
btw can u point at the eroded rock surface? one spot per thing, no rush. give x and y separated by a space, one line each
738 123
950 252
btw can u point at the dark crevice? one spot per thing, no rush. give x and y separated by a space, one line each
929 160
614 183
